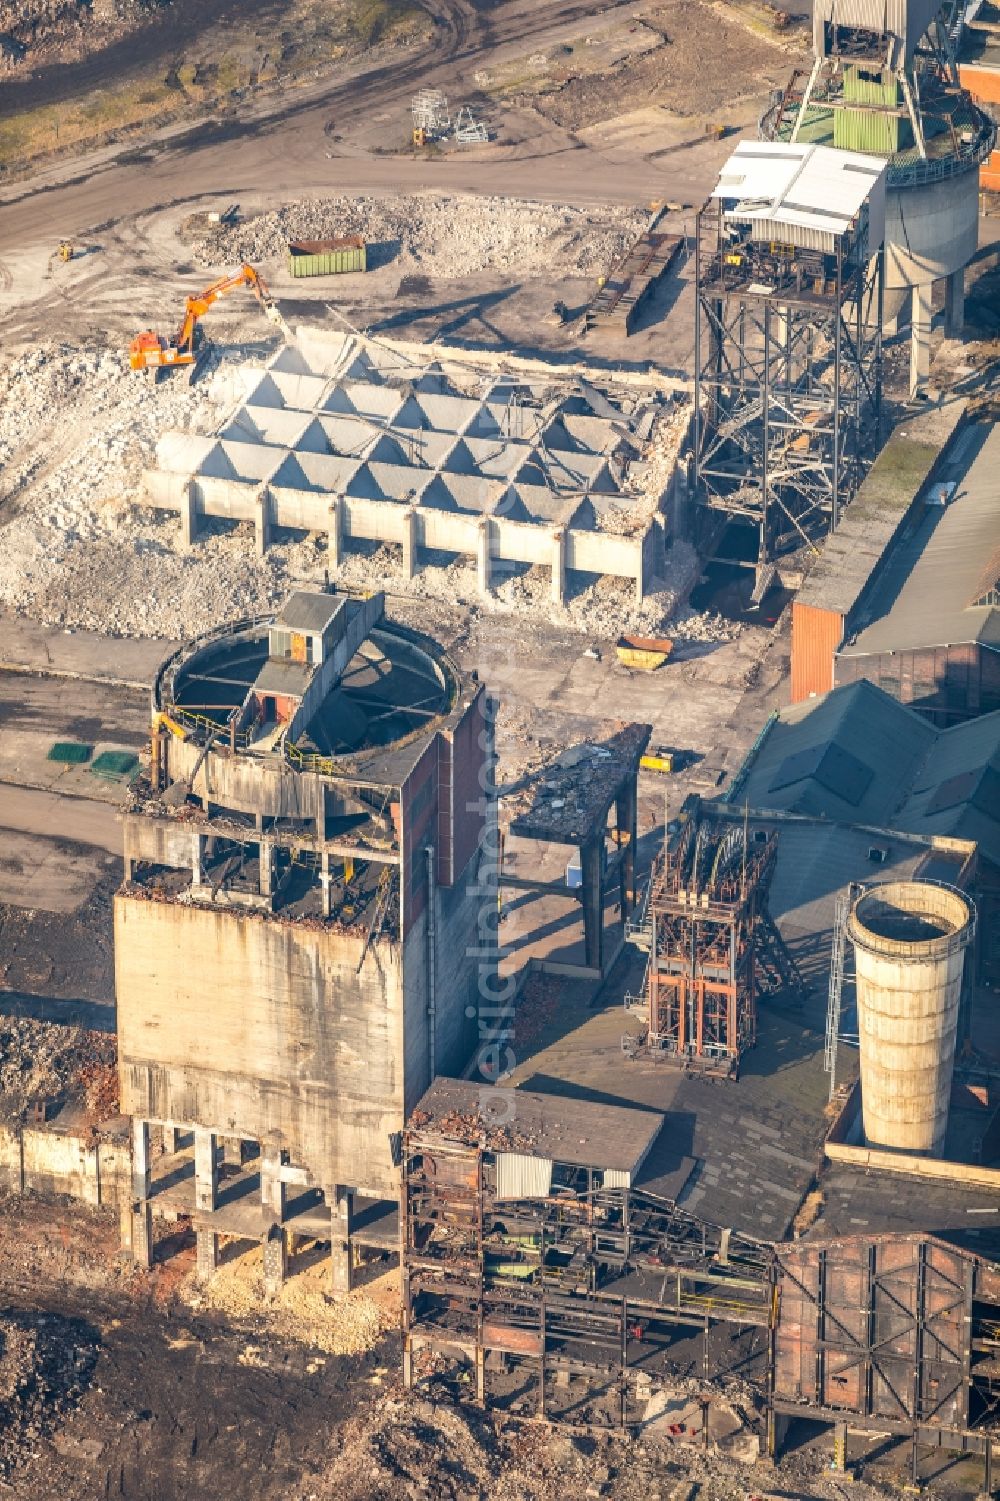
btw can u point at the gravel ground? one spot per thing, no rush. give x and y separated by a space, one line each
442 235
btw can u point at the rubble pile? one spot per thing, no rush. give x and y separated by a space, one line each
408 1446
45 1365
443 235
304 1311
43 1061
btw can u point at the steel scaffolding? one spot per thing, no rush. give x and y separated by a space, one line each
788 376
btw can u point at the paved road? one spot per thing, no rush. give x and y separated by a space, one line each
28 811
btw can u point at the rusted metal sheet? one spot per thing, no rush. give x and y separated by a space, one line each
453 1169
875 1327
816 635
511 1340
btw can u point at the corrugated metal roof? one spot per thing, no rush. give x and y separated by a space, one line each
934 570
956 790
922 780
808 187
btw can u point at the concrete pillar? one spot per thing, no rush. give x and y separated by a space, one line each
142 1214
262 521
484 556
272 1190
920 339
340 1240
232 1151
189 515
206 1254
593 902
335 533
626 823
266 868
206 1171
559 566
170 1136
275 1260
141 1174
324 881
410 542
954 304
196 870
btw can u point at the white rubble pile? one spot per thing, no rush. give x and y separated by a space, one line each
442 235
660 457
80 548
77 547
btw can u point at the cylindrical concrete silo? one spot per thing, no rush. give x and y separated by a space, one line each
909 941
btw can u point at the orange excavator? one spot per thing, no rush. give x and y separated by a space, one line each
151 352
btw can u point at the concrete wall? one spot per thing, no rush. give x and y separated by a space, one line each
458 966
258 1027
47 1161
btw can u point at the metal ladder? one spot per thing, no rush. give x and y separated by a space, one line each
845 901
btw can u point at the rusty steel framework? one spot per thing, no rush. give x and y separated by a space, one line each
788 377
898 1333
570 1302
589 1281
713 946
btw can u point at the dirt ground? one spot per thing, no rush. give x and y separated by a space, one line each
111 1385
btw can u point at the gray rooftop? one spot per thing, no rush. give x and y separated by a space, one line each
852 553
845 755
288 679
935 570
307 611
856 756
576 1132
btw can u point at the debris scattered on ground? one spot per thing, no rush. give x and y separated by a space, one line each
305 1310
443 234
45 1365
45 1061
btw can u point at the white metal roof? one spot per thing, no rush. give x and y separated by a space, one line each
811 187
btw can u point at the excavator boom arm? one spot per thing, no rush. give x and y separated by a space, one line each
196 307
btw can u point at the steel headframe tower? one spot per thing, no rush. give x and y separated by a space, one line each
788 350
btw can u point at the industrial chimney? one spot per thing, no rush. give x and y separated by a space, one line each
909 939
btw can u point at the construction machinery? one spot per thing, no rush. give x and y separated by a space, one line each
66 250
151 352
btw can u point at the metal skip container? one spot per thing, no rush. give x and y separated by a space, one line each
909 941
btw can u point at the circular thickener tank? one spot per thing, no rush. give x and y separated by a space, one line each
909 940
931 229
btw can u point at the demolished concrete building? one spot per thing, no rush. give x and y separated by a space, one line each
509 462
297 937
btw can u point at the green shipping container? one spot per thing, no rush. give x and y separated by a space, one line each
327 257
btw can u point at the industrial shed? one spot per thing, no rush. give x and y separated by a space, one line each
905 594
